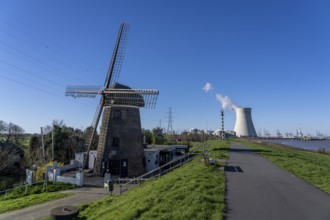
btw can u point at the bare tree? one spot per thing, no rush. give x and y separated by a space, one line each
14 133
3 127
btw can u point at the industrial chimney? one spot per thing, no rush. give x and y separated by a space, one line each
244 125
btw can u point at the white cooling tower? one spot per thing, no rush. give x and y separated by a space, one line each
244 126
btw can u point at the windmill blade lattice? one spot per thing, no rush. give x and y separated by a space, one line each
82 91
117 56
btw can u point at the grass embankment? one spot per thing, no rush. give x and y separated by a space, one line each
193 191
17 199
22 202
310 166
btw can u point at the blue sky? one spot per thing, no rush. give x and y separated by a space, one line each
272 56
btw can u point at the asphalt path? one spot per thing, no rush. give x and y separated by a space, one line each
258 189
81 196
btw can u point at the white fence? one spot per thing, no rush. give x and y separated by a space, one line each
54 174
78 180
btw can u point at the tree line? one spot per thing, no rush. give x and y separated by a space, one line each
19 150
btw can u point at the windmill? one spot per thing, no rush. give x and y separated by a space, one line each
120 149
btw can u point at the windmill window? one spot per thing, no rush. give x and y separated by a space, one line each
117 114
115 142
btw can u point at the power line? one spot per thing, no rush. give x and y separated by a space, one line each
40 51
55 70
26 78
44 91
21 69
81 63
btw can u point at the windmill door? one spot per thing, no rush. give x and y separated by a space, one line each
123 167
114 166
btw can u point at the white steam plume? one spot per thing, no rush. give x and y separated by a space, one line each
226 102
208 87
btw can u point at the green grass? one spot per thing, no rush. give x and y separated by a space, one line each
25 142
310 166
22 202
17 199
193 191
35 189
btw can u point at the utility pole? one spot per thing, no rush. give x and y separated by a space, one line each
43 146
222 125
53 145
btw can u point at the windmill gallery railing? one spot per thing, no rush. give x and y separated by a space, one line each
125 184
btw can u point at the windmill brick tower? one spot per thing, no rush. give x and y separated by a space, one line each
120 149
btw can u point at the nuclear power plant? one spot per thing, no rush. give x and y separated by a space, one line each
244 126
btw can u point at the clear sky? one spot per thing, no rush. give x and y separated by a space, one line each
272 56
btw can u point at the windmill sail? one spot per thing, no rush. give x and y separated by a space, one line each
117 56
90 134
82 91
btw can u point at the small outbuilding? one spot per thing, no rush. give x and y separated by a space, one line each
158 155
79 157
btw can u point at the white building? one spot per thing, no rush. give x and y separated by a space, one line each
79 157
157 155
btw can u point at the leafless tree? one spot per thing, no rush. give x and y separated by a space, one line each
14 133
3 127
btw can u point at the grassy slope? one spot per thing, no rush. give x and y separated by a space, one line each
22 202
310 166
16 199
194 191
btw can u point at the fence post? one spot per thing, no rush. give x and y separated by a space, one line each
26 189
46 183
6 194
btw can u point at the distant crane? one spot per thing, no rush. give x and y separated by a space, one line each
299 133
266 133
278 133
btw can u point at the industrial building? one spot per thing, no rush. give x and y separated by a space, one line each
244 125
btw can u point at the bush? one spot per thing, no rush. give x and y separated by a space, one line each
6 184
42 169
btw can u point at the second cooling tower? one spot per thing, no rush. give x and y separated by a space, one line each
244 126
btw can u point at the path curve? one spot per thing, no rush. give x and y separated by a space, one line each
81 196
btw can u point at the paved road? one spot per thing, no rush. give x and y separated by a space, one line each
258 189
82 195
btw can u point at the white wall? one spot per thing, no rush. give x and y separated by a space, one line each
152 160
